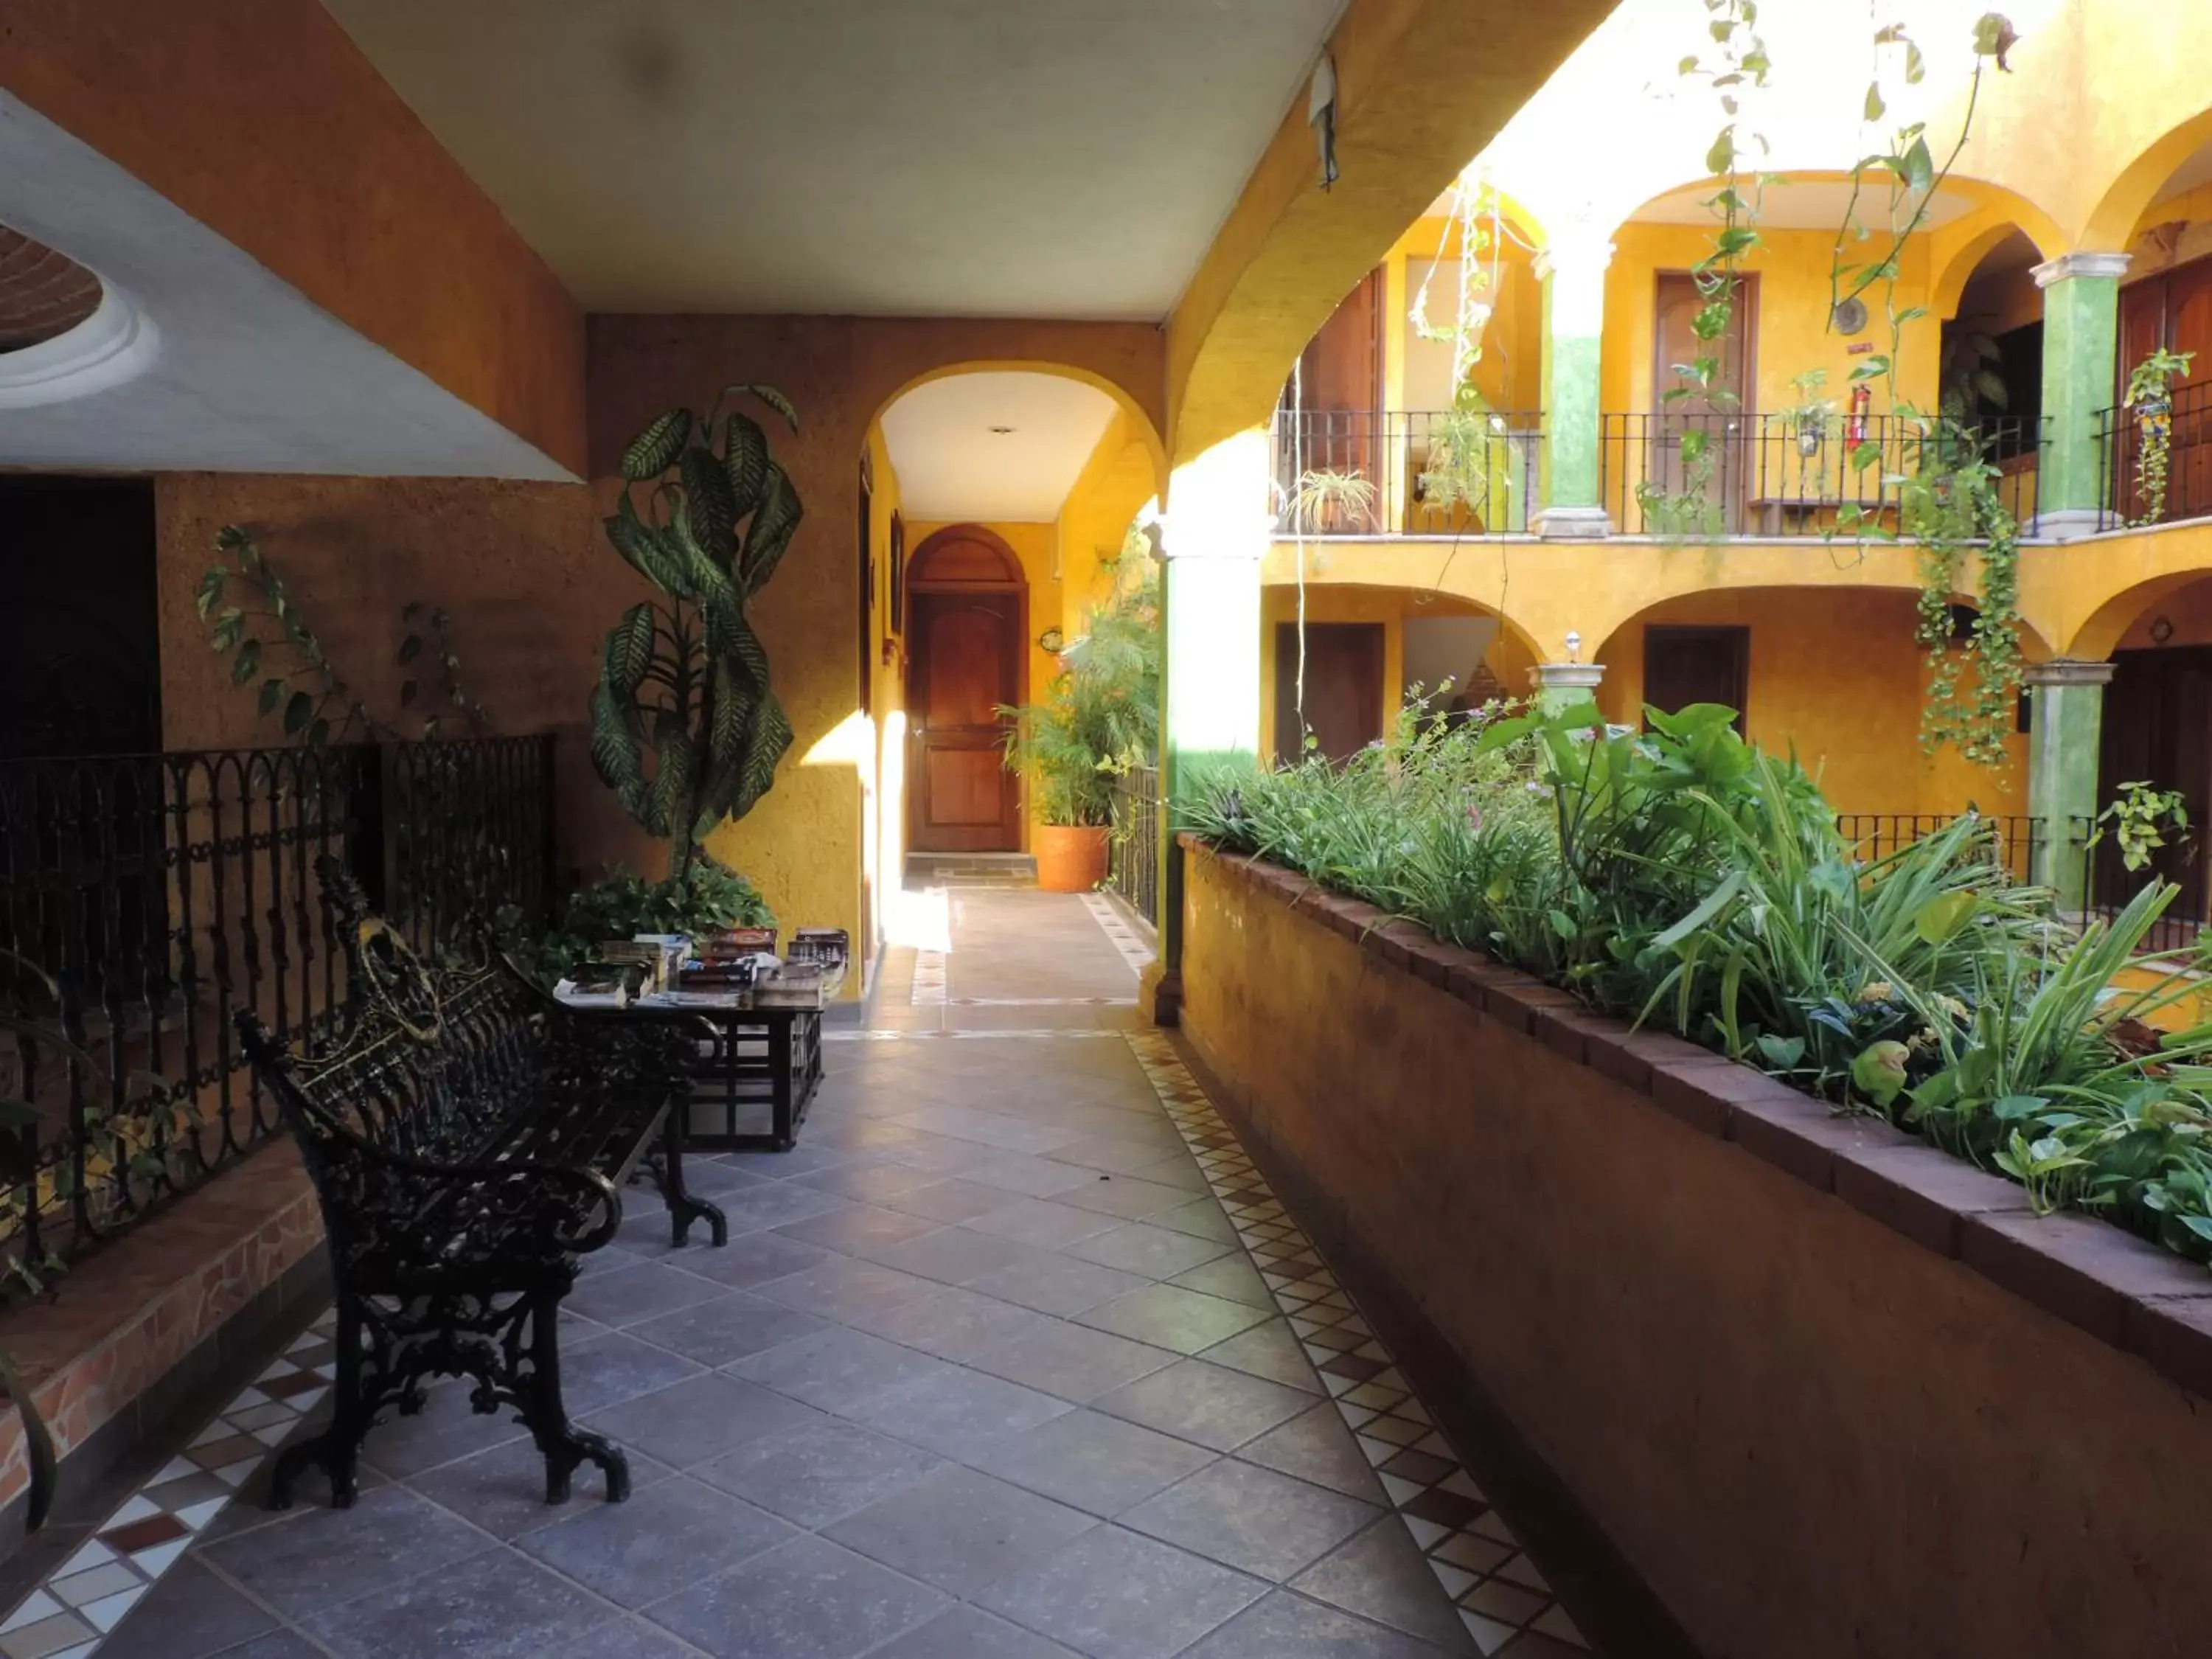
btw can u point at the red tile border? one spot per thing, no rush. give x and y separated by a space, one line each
2097 1277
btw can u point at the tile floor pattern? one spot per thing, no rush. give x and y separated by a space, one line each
1015 1356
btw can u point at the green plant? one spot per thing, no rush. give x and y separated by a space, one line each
1968 384
1098 718
708 897
268 638
2138 818
2150 398
686 729
1324 500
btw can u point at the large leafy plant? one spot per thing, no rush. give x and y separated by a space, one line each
686 729
706 898
1100 716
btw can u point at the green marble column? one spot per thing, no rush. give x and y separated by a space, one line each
1572 270
2063 744
2080 328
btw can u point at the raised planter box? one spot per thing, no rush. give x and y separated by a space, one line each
1829 1391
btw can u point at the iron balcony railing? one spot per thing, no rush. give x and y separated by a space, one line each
1133 867
1786 475
2108 885
1357 472
2014 842
2133 442
145 899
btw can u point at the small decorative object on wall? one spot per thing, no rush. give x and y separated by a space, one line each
1051 640
2161 631
1850 315
899 574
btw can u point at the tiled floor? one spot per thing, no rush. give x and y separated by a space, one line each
1015 1356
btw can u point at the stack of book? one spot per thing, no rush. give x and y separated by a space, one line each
650 955
830 949
603 984
730 960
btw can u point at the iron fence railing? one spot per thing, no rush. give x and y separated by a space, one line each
145 899
1781 475
2108 885
1134 863
2131 441
2012 844
1359 472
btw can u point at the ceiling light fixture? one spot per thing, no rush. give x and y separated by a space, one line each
1321 115
1002 431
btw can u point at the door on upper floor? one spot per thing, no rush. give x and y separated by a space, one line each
967 617
2171 308
1343 700
1717 419
1340 392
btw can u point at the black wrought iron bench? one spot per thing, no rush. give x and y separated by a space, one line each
469 1138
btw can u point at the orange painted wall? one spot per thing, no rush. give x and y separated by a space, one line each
264 121
1839 681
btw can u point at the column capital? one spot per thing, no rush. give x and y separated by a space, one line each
2066 671
1566 676
2067 265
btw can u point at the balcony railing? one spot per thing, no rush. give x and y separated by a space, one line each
160 894
1355 472
2012 844
1133 865
2109 884
2129 441
1744 474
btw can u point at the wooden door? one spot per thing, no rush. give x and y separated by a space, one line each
966 663
1343 688
1723 414
1683 665
2157 729
1341 392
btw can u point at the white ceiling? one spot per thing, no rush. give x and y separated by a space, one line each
215 363
1042 158
1819 205
951 464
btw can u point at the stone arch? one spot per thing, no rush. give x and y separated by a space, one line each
1139 411
2118 212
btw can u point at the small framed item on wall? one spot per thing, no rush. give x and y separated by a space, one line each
897 560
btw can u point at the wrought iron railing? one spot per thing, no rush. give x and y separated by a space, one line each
2132 443
1744 474
145 899
2108 885
1133 867
1357 472
2013 840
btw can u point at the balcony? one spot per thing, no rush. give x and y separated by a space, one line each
1775 475
2127 438
1433 472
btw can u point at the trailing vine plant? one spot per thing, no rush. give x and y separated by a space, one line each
253 619
2151 400
1937 463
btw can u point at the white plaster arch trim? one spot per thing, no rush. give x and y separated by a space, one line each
115 344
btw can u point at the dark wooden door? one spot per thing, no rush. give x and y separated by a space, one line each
1340 383
80 671
1723 414
1343 690
966 663
2157 729
1683 665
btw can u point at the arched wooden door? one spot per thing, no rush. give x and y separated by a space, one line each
967 617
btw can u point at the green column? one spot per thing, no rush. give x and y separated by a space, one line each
2062 742
1572 269
1216 532
1563 685
2080 332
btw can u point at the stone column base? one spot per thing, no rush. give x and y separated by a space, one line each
1572 524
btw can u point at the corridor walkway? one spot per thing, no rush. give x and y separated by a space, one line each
1015 1356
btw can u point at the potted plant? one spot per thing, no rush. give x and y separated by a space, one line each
1099 717
2151 400
686 729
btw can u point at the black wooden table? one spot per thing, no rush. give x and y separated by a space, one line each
742 1064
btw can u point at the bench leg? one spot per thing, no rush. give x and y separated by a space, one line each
337 1449
683 1208
563 1444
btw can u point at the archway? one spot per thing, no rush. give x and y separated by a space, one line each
968 621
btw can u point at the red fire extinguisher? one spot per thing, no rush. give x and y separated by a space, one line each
1861 400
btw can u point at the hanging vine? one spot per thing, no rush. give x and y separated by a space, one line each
2151 400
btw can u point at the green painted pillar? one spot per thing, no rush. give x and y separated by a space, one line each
1561 685
2081 334
2063 743
1216 530
1572 270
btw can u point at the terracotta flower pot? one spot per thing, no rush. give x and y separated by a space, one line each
1070 858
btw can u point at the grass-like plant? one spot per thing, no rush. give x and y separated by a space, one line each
1682 878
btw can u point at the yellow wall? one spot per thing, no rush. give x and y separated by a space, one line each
1837 678
1392 607
1120 476
1508 372
1792 336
